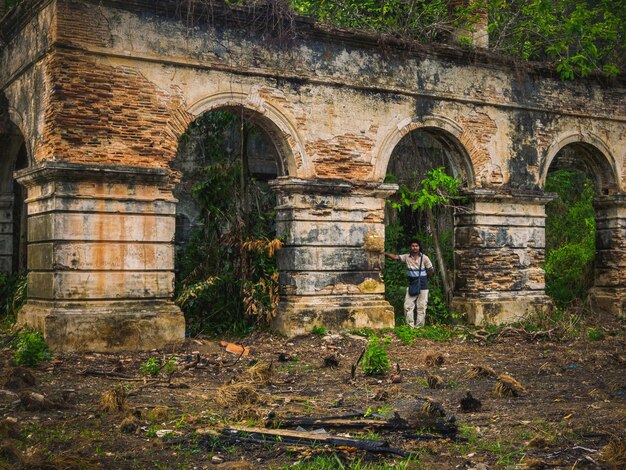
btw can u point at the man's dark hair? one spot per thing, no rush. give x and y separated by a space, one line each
415 240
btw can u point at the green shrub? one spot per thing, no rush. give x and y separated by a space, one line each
595 334
150 367
570 236
375 360
568 272
29 348
319 330
154 367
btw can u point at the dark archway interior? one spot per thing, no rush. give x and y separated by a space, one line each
589 160
13 217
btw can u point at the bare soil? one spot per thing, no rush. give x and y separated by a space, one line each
574 403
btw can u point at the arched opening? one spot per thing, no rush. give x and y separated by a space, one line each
424 155
13 217
227 277
576 240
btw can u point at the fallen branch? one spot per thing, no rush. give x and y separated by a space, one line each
299 438
439 425
343 422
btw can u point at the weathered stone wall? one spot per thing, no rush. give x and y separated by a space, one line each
330 266
126 82
116 83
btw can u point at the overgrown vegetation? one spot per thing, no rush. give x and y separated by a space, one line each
570 237
375 359
578 36
227 276
29 348
12 297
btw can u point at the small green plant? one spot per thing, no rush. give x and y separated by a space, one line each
375 360
154 367
405 333
319 330
169 366
150 367
595 334
30 348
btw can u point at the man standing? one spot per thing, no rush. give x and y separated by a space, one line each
419 269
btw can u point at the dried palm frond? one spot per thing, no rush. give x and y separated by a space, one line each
236 394
433 408
247 412
507 386
434 381
433 359
476 372
260 373
614 454
113 400
270 247
331 361
129 425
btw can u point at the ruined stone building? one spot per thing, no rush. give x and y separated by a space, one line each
94 96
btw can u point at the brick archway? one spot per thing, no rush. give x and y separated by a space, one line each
442 129
597 159
283 134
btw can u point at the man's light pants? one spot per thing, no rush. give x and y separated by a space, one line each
417 302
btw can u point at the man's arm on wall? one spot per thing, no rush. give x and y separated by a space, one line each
392 256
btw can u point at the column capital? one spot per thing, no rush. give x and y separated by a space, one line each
47 172
288 185
509 196
613 200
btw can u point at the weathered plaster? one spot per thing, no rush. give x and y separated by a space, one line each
106 83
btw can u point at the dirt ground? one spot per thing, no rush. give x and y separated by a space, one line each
573 405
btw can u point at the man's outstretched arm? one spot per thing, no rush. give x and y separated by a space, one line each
392 256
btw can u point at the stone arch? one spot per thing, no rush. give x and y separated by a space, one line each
282 133
446 131
597 160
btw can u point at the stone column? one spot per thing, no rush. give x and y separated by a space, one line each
332 260
499 252
609 291
100 257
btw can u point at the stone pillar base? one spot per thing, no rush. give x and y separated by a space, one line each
608 300
494 310
105 326
336 313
